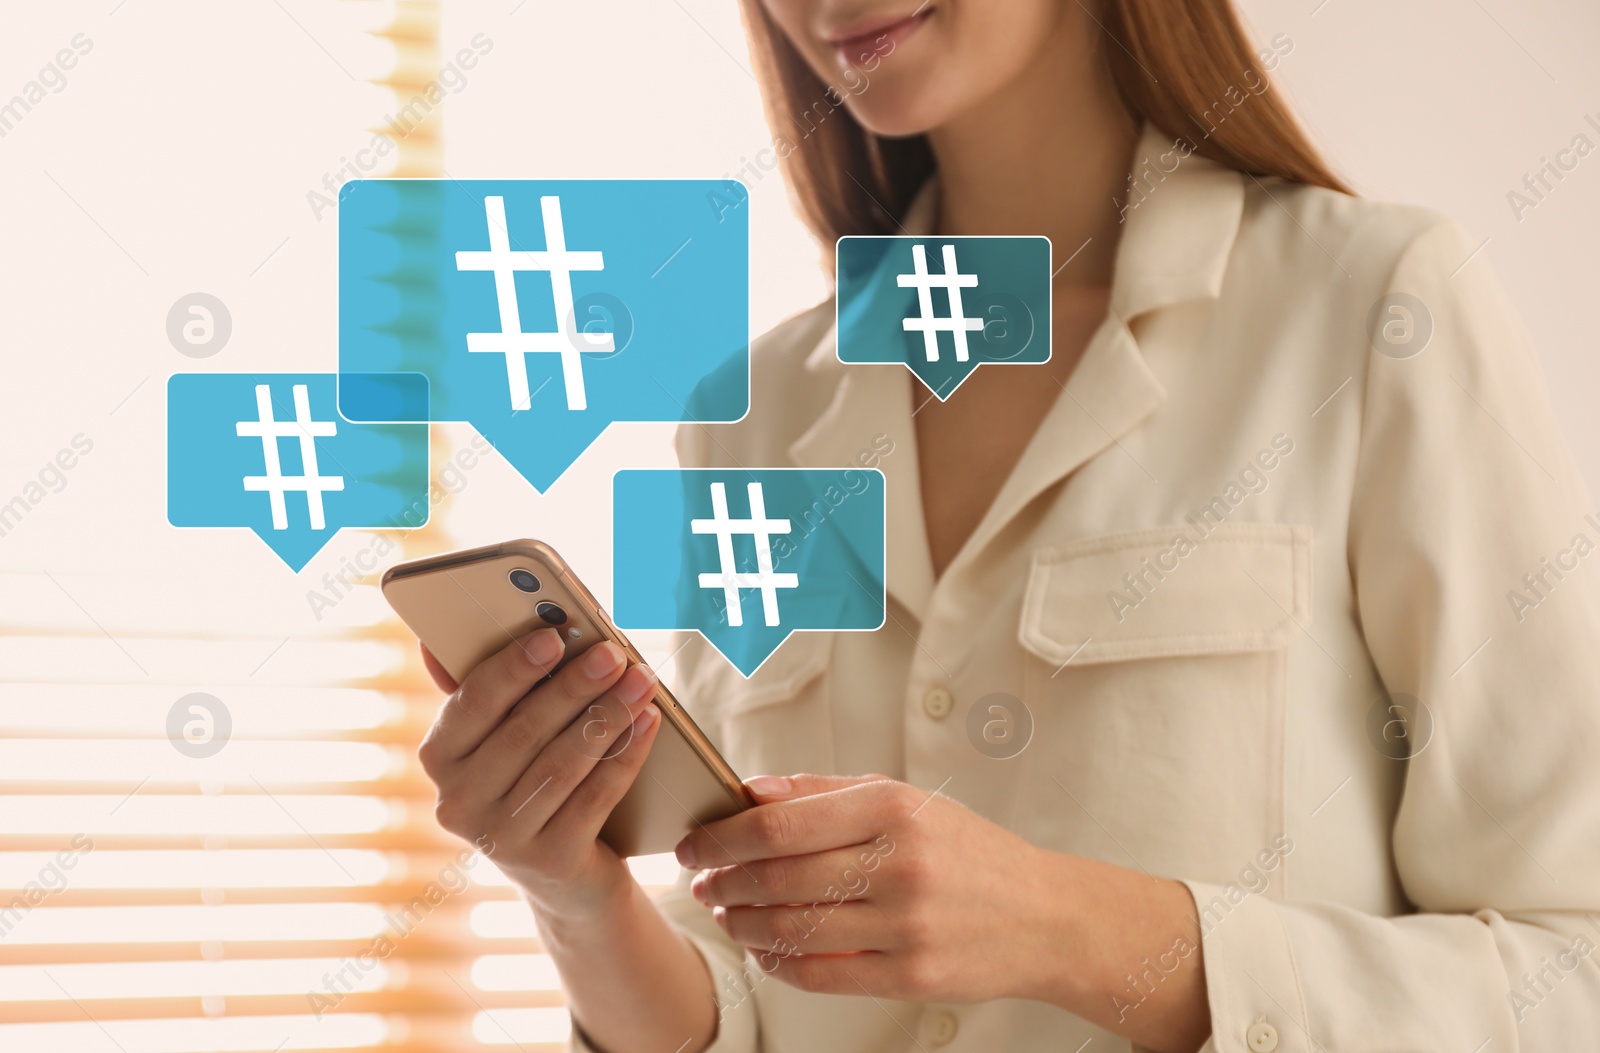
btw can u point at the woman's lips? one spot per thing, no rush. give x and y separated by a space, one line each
860 43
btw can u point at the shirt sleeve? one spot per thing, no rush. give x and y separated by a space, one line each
1472 549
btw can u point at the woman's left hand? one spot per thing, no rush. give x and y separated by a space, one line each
867 885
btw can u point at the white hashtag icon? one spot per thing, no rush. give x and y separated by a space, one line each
728 578
511 341
952 281
275 483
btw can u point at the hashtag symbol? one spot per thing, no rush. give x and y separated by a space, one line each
728 578
275 483
952 281
511 341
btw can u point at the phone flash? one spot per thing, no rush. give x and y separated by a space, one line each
574 632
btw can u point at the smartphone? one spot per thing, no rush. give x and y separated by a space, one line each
465 606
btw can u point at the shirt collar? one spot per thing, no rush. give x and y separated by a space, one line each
1181 220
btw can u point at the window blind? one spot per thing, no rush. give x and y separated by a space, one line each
290 890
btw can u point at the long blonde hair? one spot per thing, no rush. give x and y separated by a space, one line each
1176 64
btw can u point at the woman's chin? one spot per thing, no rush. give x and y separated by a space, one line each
894 118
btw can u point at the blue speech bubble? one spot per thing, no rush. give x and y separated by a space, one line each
270 452
542 310
746 557
943 306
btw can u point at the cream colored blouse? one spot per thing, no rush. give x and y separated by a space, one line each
1292 597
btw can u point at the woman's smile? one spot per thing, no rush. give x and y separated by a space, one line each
857 42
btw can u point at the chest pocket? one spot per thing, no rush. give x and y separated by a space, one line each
775 721
1159 593
1157 680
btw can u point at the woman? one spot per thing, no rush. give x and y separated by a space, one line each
1273 574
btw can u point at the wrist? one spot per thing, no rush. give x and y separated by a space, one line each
1119 939
1061 967
569 913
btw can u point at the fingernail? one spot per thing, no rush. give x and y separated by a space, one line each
601 660
646 717
635 684
542 647
685 854
769 785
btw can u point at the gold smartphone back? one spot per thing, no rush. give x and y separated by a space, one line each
465 606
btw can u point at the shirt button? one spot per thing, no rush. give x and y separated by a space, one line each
942 1027
1262 1037
938 703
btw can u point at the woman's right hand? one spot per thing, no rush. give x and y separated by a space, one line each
530 774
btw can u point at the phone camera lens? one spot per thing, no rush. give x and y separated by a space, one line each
551 613
524 580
